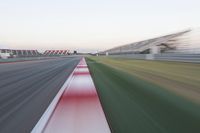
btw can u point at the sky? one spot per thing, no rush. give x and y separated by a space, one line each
90 24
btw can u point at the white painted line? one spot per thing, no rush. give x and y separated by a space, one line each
47 114
79 110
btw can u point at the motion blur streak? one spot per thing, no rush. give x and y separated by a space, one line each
27 88
148 96
79 109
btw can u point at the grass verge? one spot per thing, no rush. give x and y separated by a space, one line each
135 105
181 78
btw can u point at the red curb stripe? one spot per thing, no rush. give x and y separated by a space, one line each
79 109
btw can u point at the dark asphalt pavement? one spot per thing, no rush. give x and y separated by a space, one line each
26 90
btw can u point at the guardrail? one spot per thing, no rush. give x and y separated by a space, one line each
195 58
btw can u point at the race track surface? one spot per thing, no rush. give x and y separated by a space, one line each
27 88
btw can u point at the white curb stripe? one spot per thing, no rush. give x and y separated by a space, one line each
47 114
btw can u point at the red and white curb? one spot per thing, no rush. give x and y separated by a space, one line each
76 108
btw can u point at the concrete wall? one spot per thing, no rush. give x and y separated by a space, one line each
195 58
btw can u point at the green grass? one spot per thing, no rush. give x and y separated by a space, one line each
181 78
134 105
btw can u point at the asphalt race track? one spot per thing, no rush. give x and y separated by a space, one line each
27 88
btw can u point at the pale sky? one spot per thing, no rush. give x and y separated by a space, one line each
91 24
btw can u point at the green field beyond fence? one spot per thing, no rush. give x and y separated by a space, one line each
148 97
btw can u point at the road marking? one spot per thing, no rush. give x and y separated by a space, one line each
47 114
79 109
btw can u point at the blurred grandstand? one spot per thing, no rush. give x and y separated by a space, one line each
182 46
187 41
56 52
11 53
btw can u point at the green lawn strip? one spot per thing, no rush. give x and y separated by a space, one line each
182 78
134 105
186 72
